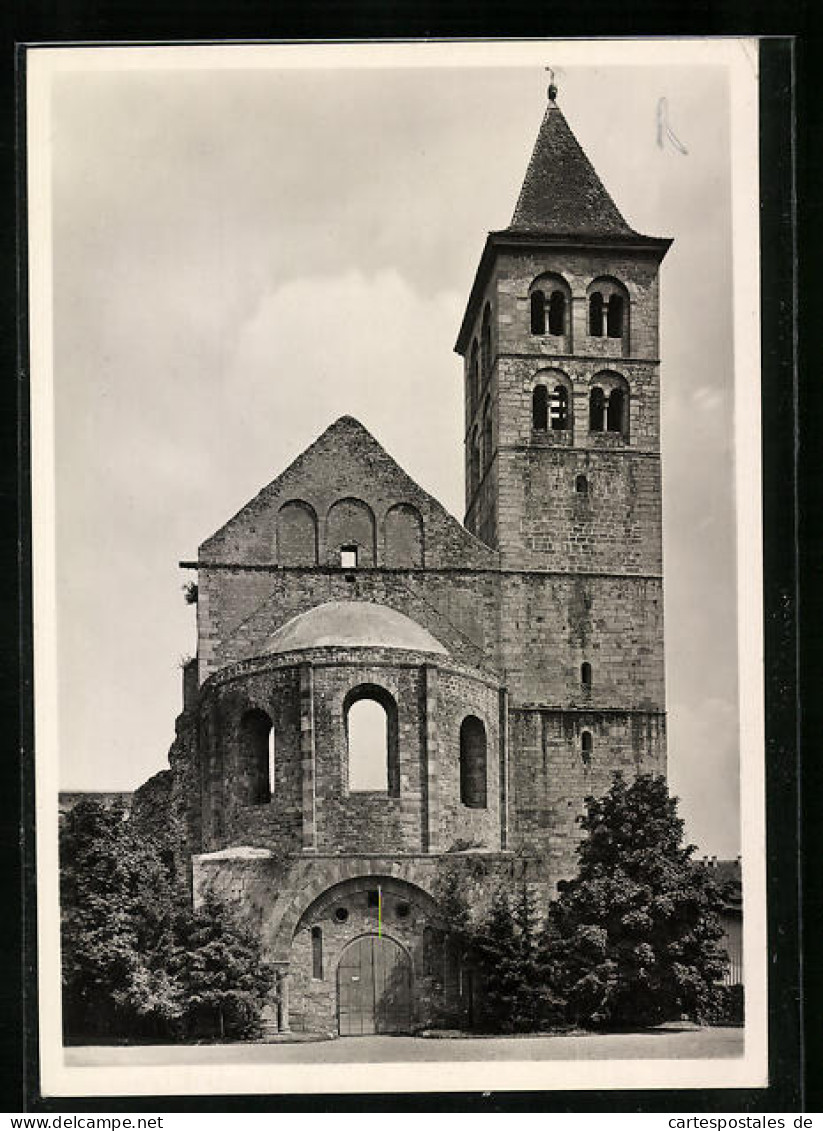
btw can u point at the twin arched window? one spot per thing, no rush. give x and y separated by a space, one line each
551 410
608 405
549 306
608 307
548 314
473 763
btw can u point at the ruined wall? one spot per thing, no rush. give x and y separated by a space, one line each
305 696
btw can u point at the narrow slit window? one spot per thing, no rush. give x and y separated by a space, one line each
614 317
316 952
596 315
614 421
597 410
538 312
557 314
540 408
348 557
586 747
586 675
581 485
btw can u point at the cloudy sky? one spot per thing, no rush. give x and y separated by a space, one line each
242 255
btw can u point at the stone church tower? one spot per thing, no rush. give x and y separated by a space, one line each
562 454
502 670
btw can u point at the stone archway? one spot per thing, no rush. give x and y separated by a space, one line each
374 978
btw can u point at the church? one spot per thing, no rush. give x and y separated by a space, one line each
498 671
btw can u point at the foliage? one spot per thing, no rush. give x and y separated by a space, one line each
190 593
217 964
503 942
728 1007
637 930
137 961
514 954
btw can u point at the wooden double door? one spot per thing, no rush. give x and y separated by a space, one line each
373 988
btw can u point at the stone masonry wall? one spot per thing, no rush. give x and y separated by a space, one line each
240 609
550 774
550 625
320 812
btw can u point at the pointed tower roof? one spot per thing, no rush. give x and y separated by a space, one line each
562 195
562 203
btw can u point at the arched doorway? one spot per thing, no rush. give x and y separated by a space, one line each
373 987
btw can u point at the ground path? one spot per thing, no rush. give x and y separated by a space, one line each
664 1043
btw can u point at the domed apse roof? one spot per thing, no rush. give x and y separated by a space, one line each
353 624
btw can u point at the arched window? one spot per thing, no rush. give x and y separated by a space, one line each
557 314
586 675
597 409
596 314
256 744
615 414
538 312
560 408
609 309
614 316
581 485
473 763
487 433
474 378
586 747
486 345
371 740
540 408
475 461
316 952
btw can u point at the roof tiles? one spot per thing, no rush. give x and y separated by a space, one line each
562 194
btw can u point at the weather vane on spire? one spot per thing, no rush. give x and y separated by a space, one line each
552 86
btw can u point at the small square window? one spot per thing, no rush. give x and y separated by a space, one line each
348 557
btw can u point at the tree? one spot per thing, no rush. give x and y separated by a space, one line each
637 931
218 965
114 897
137 960
514 962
